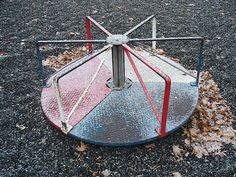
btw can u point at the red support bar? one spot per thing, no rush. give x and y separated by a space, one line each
88 33
98 25
167 87
148 96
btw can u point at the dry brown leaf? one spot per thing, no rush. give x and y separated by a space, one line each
175 59
199 151
44 47
150 146
81 147
106 173
94 11
187 142
176 174
130 20
159 51
21 127
178 152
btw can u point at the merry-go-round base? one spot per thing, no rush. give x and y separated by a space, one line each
120 117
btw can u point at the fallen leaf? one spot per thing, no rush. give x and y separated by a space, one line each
178 152
130 20
95 174
199 151
2 53
158 51
81 147
44 47
176 174
21 127
150 146
106 172
94 11
72 34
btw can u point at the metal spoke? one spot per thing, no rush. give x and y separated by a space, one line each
69 41
139 25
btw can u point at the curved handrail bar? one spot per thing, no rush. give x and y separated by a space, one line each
39 57
153 54
167 87
63 71
56 78
200 55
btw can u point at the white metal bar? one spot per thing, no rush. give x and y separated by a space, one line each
60 106
85 90
154 32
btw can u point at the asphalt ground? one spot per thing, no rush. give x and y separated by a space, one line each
37 149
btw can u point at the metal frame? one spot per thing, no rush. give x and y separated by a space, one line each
118 66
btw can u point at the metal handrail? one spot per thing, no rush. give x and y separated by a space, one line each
200 55
167 88
56 78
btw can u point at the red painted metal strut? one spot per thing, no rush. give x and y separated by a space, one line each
88 34
88 30
148 96
167 87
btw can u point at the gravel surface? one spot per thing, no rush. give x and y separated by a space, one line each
29 146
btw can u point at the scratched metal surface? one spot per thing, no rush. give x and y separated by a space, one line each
125 117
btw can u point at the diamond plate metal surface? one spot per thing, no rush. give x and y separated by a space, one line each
125 117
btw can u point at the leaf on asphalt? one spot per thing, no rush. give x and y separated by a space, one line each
106 173
81 147
150 146
178 152
2 53
158 51
130 20
21 127
44 47
94 11
176 174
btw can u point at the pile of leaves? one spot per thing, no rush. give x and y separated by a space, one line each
212 122
56 62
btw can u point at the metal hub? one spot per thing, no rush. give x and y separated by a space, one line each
117 39
109 98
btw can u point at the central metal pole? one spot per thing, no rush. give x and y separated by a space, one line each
118 66
118 80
